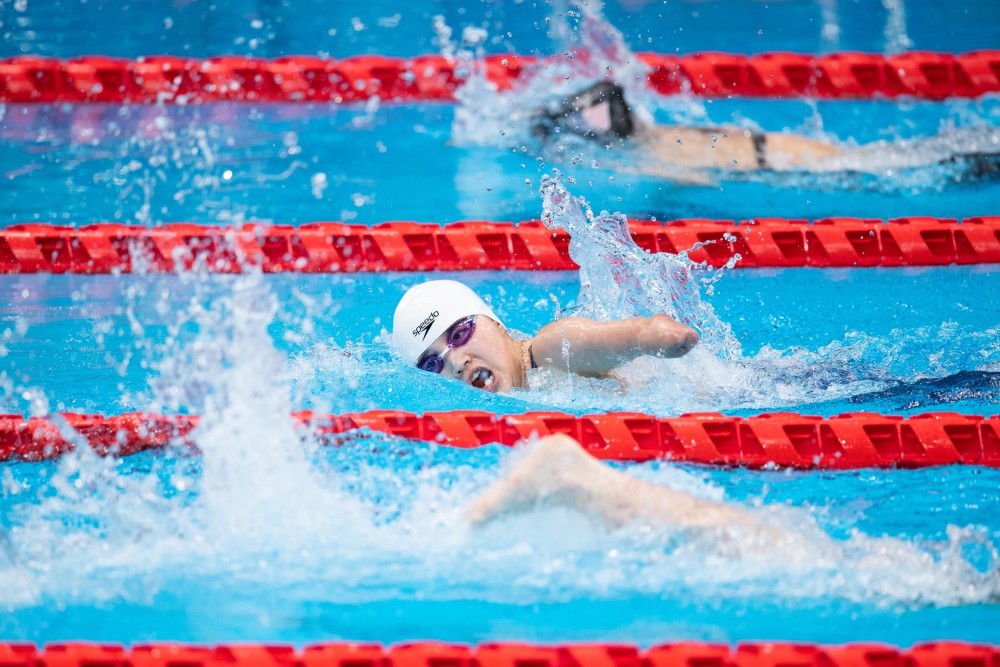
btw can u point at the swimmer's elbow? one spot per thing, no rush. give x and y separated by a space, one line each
688 340
673 338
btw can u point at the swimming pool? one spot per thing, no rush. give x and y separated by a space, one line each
262 539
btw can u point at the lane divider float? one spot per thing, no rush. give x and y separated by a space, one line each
174 79
847 441
502 654
331 247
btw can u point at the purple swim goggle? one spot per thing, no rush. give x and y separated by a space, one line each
457 335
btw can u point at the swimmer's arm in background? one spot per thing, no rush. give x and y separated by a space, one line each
730 148
596 348
558 472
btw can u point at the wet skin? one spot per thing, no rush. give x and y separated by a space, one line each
491 360
494 361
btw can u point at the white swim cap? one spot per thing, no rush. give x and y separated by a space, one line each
427 310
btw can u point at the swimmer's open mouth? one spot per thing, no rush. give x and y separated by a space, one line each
482 378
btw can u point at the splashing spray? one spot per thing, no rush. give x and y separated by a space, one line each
590 49
896 39
618 279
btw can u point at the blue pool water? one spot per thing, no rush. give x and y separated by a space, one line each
267 537
268 29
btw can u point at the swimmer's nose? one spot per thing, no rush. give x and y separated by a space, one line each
455 362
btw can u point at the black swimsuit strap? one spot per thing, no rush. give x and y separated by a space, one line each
759 140
531 357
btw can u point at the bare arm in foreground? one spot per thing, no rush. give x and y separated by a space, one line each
559 472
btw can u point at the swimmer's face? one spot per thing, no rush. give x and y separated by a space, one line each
487 359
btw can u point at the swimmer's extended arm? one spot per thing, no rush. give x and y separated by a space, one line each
732 149
557 471
596 348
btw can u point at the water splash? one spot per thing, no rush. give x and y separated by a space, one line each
830 32
253 495
619 280
253 459
588 49
592 45
896 39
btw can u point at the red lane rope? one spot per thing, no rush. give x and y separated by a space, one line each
409 246
503 654
170 79
853 440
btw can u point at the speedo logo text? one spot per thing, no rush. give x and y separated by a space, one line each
425 326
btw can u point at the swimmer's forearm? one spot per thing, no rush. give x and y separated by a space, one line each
619 499
557 471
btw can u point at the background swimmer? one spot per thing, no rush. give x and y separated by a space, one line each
442 326
601 113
